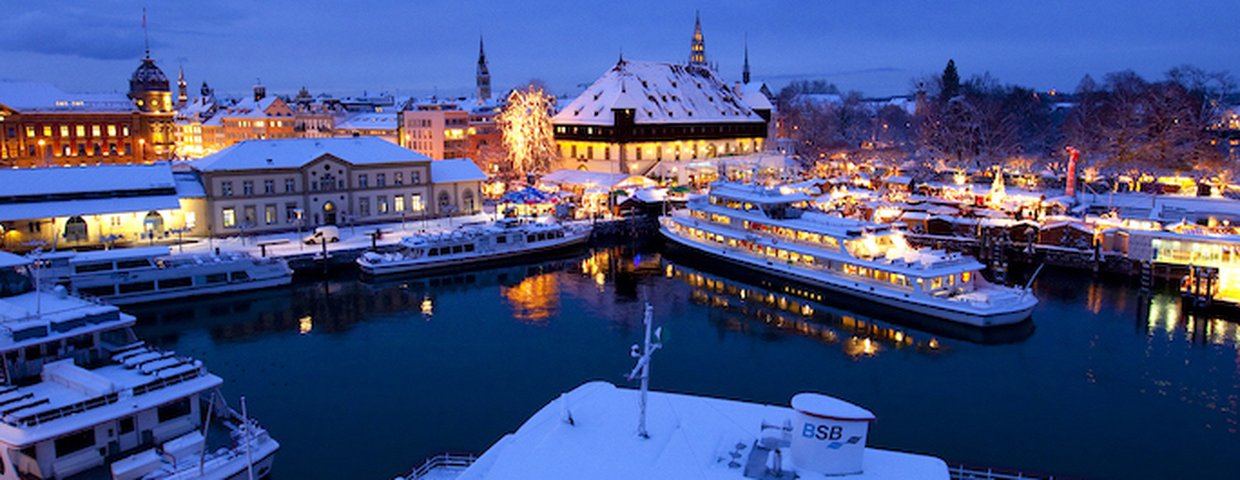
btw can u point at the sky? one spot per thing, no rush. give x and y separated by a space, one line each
420 47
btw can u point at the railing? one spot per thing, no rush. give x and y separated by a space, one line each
967 472
441 460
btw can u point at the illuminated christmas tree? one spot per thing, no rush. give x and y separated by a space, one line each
526 127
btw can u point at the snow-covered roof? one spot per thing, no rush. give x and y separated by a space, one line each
27 182
189 185
754 97
658 92
250 108
10 260
594 179
297 152
456 170
690 437
45 97
369 121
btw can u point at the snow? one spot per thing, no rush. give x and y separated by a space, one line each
96 206
249 108
690 437
595 179
8 260
44 97
456 170
189 185
754 97
59 192
819 405
297 152
96 178
119 254
659 93
369 121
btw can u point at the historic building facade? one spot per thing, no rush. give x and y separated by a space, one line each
41 125
271 185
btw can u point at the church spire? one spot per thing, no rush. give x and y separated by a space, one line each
745 71
697 51
182 87
483 79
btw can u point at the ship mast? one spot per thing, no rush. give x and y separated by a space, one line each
642 369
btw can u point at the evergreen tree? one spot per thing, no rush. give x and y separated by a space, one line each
951 81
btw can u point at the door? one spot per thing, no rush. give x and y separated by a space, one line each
329 213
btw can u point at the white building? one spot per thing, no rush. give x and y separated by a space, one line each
270 185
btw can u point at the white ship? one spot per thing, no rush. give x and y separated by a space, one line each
147 274
602 432
80 395
768 230
503 239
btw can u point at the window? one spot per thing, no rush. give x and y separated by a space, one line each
290 185
127 425
230 217
415 178
363 206
75 442
381 201
226 189
80 130
64 130
398 203
247 187
75 229
174 410
400 179
269 214
251 215
415 202
363 181
95 131
290 212
111 130
269 187
175 283
381 179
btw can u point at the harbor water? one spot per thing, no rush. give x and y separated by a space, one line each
364 379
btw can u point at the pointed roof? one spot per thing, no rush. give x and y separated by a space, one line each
658 92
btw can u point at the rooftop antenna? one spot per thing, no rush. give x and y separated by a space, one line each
642 369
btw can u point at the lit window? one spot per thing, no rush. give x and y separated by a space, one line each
230 217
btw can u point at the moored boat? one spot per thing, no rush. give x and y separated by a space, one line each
503 239
772 231
147 274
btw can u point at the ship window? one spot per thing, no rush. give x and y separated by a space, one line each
469 247
75 442
177 409
127 425
501 239
98 291
175 282
936 283
217 278
240 276
93 267
136 287
529 239
966 277
127 264
457 249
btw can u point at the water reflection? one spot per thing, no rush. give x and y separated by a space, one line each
1164 315
535 299
798 311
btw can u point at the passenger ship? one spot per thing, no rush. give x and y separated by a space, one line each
503 239
80 395
147 274
769 230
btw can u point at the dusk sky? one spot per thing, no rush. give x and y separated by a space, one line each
408 47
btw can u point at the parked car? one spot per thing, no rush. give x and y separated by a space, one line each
326 234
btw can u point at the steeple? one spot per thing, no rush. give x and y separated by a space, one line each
697 51
483 79
745 71
182 87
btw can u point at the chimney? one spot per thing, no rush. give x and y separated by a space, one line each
829 434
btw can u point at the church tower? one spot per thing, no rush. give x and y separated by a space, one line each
182 88
697 51
745 71
483 79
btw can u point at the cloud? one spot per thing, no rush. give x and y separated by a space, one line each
72 32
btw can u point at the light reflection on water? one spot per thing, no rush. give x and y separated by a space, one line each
416 363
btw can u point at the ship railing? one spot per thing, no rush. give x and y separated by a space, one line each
969 472
460 460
